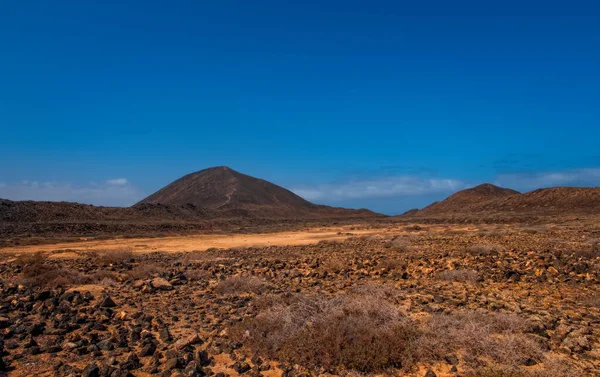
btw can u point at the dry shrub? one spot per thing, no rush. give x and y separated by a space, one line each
334 264
118 256
400 244
479 335
587 253
145 271
356 332
460 275
553 367
39 272
391 264
485 249
197 275
202 256
31 259
240 284
104 277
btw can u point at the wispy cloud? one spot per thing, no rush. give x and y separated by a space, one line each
394 186
117 181
534 180
414 185
113 192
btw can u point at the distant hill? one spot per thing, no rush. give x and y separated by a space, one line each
224 189
488 199
548 200
462 200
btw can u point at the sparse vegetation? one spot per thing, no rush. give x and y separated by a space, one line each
485 249
109 257
460 275
360 333
240 284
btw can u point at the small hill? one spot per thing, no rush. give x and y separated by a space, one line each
462 200
554 200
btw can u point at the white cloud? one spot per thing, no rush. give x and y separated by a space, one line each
535 180
114 192
117 181
395 186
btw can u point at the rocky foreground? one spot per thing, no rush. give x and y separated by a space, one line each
500 301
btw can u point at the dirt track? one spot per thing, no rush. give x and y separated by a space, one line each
205 241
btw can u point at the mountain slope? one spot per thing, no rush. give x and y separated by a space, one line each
489 199
224 189
464 199
547 200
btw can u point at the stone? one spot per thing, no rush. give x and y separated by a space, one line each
92 370
107 302
186 341
162 284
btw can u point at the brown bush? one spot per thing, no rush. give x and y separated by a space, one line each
197 275
400 244
31 259
334 264
391 264
552 367
145 271
479 335
118 256
240 284
355 332
460 275
485 249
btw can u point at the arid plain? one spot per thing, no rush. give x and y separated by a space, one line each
440 293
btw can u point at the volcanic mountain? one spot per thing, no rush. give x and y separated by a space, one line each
488 199
461 200
228 191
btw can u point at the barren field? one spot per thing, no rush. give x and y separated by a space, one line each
410 300
202 242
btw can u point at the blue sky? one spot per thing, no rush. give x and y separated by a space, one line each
380 104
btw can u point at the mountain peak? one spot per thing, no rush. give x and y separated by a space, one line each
221 187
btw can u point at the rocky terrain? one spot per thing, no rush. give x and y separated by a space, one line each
484 300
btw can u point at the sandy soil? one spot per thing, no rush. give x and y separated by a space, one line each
205 241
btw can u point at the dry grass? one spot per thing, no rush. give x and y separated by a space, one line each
113 257
479 336
198 275
240 284
552 367
400 244
485 249
460 275
145 271
334 264
356 332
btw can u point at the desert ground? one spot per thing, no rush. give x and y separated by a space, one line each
397 299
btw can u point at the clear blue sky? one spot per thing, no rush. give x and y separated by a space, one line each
383 104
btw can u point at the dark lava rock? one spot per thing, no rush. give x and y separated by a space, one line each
92 370
148 349
132 362
107 302
241 367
